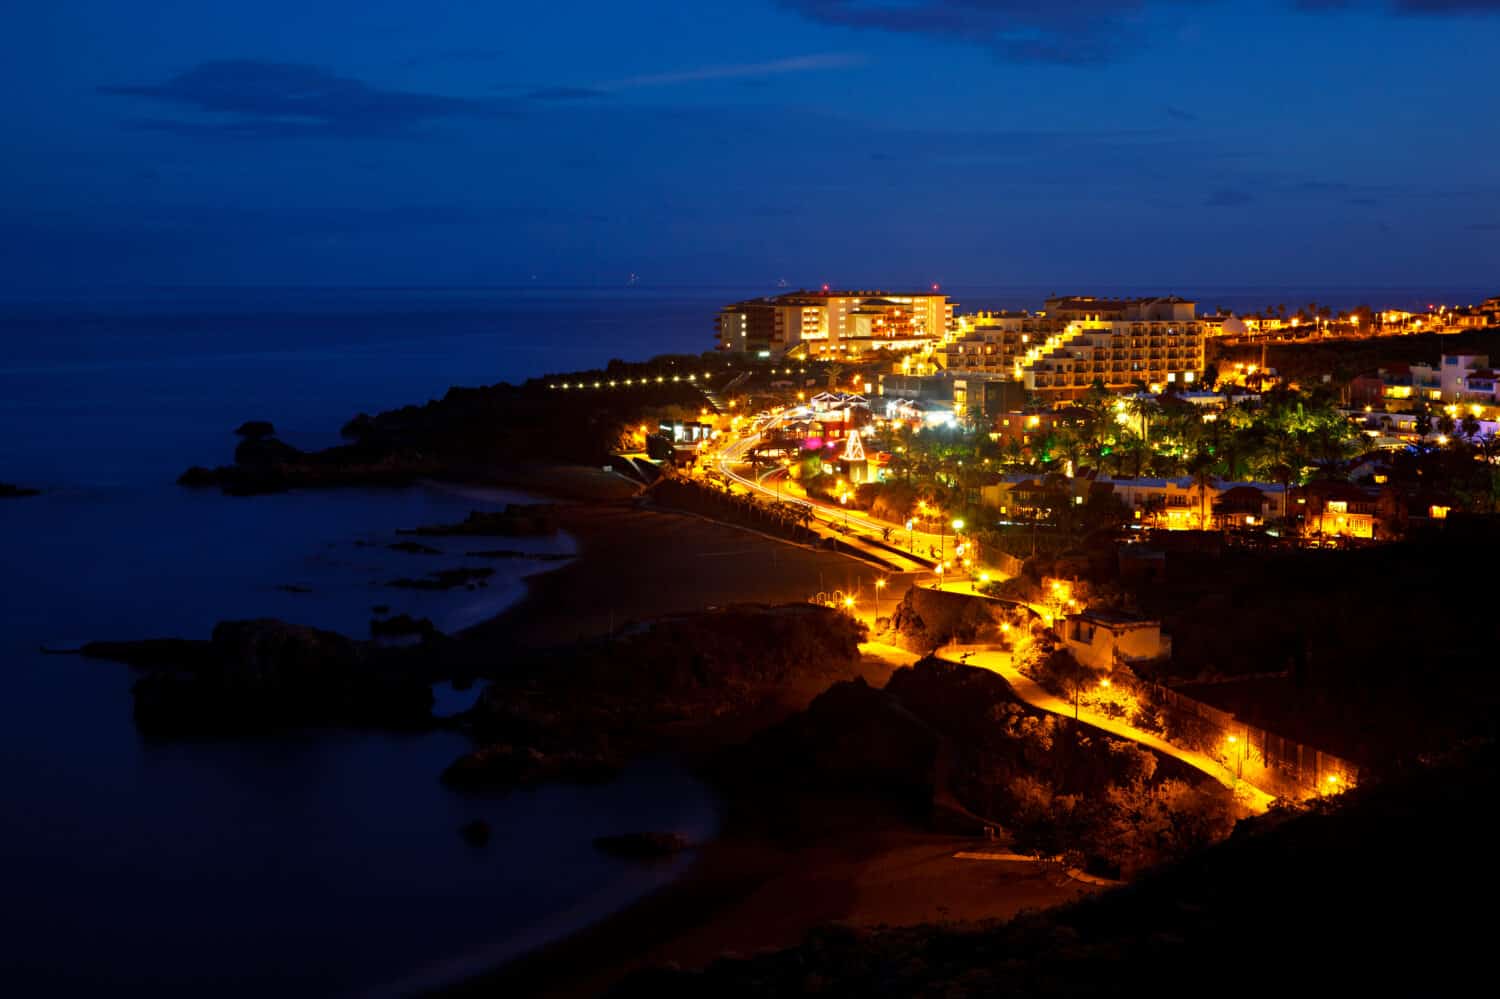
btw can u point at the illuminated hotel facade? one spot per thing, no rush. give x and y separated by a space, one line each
1059 352
835 324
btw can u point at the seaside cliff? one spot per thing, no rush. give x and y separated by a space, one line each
483 435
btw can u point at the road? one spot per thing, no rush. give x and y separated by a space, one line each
1035 695
836 517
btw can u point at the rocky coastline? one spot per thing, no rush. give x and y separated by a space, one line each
266 675
475 435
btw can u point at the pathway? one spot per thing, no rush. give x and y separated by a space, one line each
1035 695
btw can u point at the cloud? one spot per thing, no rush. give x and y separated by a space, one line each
1228 198
746 73
254 98
1180 114
775 67
1079 33
1448 6
1411 7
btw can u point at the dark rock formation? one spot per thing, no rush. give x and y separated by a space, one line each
851 737
266 674
414 548
403 625
612 698
444 579
643 845
471 434
476 833
502 766
8 491
255 428
293 588
516 520
511 553
926 619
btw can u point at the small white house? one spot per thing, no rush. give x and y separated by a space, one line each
1100 639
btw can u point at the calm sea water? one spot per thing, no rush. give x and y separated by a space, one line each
325 862
315 864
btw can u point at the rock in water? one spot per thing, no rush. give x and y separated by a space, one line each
642 845
476 833
266 674
255 428
504 766
403 625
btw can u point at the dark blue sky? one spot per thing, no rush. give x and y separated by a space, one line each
1160 142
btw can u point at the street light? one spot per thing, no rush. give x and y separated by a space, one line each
958 525
879 585
939 584
911 538
844 502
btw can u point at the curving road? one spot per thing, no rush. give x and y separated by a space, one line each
834 516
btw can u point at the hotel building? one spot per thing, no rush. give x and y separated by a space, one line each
834 324
1059 352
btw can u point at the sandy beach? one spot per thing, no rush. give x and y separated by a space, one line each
767 882
782 865
635 564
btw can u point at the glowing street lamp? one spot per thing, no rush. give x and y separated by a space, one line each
879 585
911 538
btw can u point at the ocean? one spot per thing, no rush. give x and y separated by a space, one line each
321 862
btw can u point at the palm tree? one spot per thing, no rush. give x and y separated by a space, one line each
1422 425
835 372
1470 426
1143 408
1202 469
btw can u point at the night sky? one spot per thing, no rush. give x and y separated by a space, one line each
375 142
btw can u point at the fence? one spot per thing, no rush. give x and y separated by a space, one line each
1271 762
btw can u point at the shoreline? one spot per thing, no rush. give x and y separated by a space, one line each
851 861
744 890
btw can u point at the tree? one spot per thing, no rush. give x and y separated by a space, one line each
1423 424
1445 424
835 372
1470 426
1143 407
1202 470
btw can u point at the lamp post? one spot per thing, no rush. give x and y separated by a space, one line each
1239 767
879 585
911 538
958 525
939 584
844 502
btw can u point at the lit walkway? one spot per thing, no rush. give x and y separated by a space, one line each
1033 694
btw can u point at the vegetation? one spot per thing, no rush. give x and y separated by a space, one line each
1330 888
